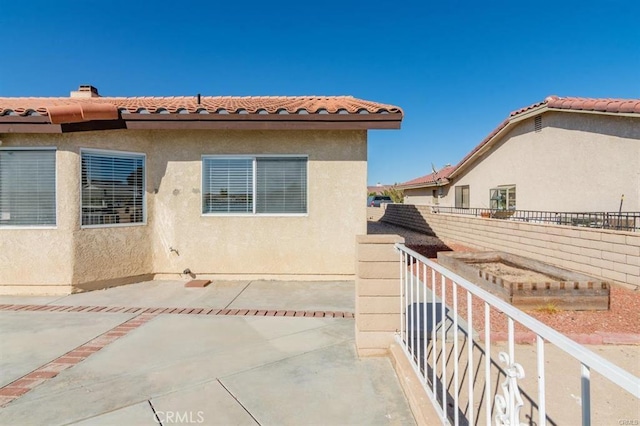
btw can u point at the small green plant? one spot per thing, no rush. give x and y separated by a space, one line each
397 195
548 308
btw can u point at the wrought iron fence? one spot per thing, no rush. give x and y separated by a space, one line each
623 221
471 381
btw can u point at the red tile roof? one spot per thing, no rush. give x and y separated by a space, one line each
586 104
603 105
208 104
439 177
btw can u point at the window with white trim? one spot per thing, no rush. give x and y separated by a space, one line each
254 185
28 187
113 188
503 197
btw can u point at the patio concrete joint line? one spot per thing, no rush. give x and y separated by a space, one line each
26 383
239 403
238 295
155 415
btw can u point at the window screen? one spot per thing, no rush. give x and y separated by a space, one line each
112 188
227 185
281 185
255 185
28 187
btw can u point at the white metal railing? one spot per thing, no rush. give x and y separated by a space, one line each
436 321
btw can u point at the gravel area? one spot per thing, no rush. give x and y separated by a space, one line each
426 245
623 315
410 237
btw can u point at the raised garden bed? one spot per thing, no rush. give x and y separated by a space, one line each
529 284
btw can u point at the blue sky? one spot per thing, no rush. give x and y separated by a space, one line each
457 68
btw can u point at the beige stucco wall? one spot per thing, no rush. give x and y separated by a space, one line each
319 244
418 196
41 259
424 196
577 162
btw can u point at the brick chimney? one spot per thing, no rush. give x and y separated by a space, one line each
85 91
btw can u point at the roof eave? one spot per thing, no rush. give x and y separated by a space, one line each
512 121
489 143
443 182
42 124
586 111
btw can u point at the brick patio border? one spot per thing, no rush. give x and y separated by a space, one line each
24 384
188 311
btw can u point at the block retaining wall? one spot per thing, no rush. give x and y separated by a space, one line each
611 255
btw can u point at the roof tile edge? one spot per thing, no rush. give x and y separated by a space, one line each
251 105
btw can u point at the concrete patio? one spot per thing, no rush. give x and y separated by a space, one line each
194 368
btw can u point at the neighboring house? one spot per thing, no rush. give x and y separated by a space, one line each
428 189
378 189
98 191
562 154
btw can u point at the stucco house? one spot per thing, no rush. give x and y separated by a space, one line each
428 189
100 191
378 189
561 154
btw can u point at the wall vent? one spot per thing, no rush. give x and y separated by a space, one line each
537 123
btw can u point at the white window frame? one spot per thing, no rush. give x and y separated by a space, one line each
55 166
107 152
254 183
509 189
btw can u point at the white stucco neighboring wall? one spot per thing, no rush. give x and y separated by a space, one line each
418 196
424 196
315 245
578 162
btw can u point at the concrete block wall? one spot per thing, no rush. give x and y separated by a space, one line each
409 216
377 293
611 255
